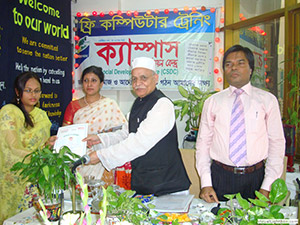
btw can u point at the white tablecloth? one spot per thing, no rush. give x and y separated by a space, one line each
31 217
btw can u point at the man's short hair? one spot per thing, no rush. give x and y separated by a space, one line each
248 53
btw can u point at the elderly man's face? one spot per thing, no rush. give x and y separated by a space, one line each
143 81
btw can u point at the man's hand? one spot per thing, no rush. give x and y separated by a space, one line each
264 192
92 140
208 194
94 158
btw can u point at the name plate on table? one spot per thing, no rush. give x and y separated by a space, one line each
71 136
173 203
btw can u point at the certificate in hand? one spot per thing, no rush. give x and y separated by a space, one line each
71 136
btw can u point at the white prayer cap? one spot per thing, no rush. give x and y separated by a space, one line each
143 62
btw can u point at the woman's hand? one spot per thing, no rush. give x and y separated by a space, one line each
51 141
92 139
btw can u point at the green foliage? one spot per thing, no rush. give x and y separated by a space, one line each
191 106
293 78
259 208
124 207
48 169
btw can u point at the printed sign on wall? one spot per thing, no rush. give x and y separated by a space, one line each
180 43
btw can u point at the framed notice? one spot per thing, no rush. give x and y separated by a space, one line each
71 136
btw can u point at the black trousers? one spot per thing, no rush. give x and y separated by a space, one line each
226 182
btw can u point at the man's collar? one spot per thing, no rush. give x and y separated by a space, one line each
246 88
147 96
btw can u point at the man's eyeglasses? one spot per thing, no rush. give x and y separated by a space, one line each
29 91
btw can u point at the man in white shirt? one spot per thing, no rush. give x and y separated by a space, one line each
262 141
150 142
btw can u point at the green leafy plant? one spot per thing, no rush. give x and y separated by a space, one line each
125 207
48 169
70 218
293 78
191 106
249 212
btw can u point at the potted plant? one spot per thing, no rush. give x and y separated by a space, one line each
293 79
292 120
49 170
191 106
113 209
261 208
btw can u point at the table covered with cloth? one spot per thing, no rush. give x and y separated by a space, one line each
198 208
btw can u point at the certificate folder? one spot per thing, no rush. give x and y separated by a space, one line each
173 203
71 136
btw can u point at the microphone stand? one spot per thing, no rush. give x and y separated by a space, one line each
73 198
85 159
73 185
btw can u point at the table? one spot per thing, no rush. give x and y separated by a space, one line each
31 217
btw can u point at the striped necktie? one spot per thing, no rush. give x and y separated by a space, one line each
237 142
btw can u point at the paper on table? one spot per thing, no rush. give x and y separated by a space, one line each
71 136
173 203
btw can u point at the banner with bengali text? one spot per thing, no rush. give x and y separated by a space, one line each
181 44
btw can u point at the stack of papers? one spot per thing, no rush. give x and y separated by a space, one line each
173 203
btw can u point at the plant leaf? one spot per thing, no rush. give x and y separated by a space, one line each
278 215
278 191
229 196
259 202
275 208
260 196
239 212
46 172
183 92
256 211
243 202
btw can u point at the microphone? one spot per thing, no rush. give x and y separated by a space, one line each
83 160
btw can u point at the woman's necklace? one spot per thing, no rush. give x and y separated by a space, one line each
85 101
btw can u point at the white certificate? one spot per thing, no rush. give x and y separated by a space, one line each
71 136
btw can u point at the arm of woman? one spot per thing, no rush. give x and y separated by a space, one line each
69 113
12 139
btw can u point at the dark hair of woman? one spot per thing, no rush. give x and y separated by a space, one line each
93 69
19 86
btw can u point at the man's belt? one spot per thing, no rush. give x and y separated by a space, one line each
241 169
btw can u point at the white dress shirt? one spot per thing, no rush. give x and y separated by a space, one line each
121 147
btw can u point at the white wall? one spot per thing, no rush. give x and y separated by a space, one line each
126 98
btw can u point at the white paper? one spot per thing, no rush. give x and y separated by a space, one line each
172 203
71 136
